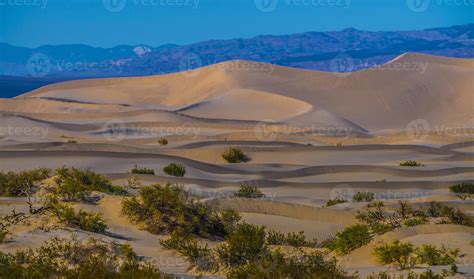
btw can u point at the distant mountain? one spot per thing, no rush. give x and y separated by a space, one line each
312 50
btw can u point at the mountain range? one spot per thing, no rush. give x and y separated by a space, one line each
311 50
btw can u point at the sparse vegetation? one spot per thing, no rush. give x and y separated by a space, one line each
246 254
364 197
463 188
164 209
291 239
411 163
19 184
175 170
77 219
405 255
163 141
76 184
335 201
397 253
235 155
249 192
416 221
348 239
138 170
63 258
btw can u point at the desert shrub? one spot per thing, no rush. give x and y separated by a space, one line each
397 253
348 239
405 255
335 201
235 155
376 219
411 163
3 234
242 246
291 239
15 184
454 216
275 264
175 170
275 238
81 219
163 209
431 255
63 258
74 184
463 188
250 192
163 141
364 197
138 170
198 255
416 221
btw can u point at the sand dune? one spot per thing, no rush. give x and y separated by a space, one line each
387 97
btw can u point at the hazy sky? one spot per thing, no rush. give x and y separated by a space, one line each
108 23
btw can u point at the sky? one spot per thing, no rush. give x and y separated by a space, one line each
108 23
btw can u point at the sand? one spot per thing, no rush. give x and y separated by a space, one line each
310 136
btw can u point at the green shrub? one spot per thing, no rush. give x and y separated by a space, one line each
275 264
175 170
291 239
83 220
138 170
349 239
199 256
364 197
397 253
242 246
75 184
405 255
335 201
432 256
463 188
235 155
411 164
163 209
163 141
250 192
416 221
3 234
63 258
16 184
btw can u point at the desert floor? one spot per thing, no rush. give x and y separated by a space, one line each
298 169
